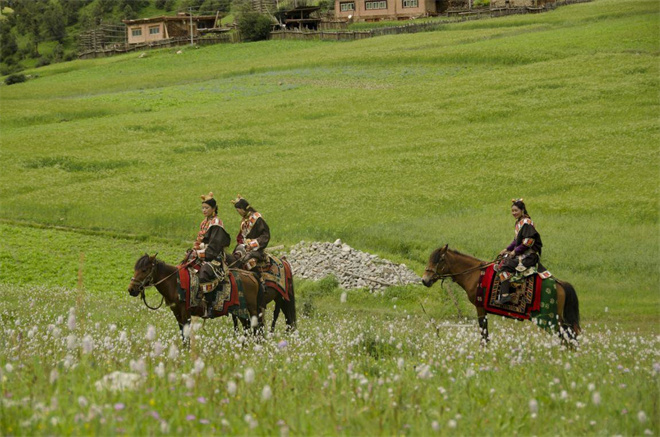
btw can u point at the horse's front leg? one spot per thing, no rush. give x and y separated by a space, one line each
182 328
483 325
235 320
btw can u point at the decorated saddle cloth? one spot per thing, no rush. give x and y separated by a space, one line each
276 273
536 297
228 297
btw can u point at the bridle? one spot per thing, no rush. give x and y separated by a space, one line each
147 282
435 275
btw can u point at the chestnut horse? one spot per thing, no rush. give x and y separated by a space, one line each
465 270
150 271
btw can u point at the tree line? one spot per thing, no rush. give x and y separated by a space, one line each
34 33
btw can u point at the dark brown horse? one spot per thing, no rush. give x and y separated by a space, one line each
150 271
465 270
270 295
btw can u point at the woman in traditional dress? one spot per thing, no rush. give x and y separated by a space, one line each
253 237
525 249
209 249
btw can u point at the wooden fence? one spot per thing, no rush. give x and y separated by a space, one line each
454 17
172 42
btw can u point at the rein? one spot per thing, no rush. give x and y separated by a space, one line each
444 276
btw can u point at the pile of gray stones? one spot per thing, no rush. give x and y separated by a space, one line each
352 268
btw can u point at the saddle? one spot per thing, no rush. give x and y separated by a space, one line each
227 293
276 274
526 289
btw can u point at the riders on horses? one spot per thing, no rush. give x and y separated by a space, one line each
523 252
208 251
253 237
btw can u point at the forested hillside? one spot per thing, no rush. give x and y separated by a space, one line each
34 33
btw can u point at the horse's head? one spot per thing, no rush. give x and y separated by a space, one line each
143 276
436 267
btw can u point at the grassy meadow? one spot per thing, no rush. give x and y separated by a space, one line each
396 145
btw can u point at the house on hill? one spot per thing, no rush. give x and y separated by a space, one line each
146 30
301 17
377 10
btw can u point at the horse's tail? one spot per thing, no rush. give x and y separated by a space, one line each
571 308
289 307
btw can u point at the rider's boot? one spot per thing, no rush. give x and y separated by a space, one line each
208 305
505 295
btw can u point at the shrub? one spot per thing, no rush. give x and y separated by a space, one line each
43 61
15 78
254 26
9 67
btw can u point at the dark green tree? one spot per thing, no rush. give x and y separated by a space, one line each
128 13
8 46
106 6
54 21
212 6
254 26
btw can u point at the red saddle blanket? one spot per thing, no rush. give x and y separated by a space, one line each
228 296
528 295
277 275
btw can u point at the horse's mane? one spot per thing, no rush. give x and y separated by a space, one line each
435 255
143 262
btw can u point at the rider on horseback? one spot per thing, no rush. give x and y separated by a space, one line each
523 252
253 237
208 251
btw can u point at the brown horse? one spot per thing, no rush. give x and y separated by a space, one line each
150 271
465 270
270 295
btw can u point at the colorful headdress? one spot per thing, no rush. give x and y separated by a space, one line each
209 200
240 203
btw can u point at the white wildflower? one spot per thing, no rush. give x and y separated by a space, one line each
158 348
87 344
198 367
342 299
231 388
71 341
173 353
595 398
249 375
160 370
533 406
266 393
641 416
151 333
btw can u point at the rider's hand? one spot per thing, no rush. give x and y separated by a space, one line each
512 253
504 251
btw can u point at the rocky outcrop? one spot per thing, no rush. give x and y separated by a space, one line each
353 268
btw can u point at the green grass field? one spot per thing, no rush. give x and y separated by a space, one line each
396 145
